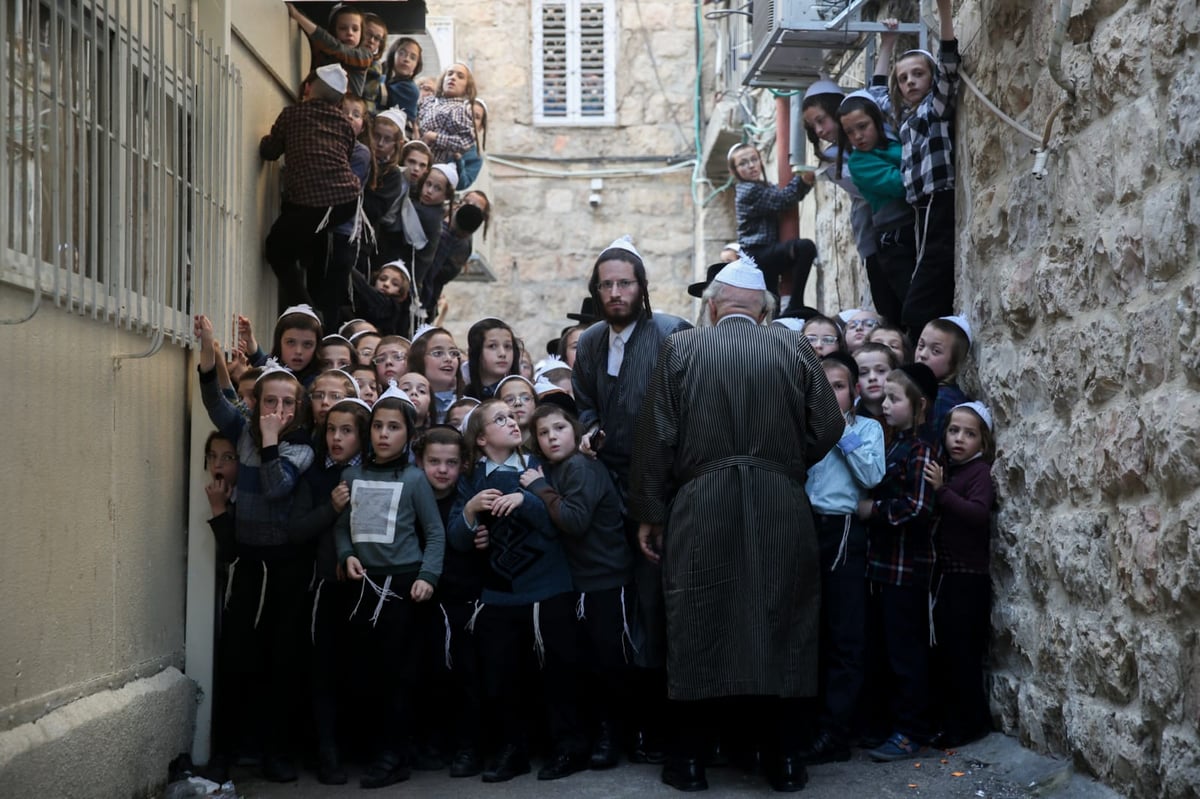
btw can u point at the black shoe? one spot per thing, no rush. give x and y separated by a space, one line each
329 768
387 769
826 748
466 763
646 749
685 774
788 775
278 769
604 748
563 764
428 758
511 762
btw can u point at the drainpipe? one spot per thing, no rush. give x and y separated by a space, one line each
789 223
1056 46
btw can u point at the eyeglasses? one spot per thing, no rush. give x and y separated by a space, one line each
519 399
827 341
224 457
869 324
503 419
321 396
390 357
620 285
366 352
439 354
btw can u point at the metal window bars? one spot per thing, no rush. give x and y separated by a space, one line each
119 176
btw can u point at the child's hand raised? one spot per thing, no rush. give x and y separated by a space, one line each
272 424
507 503
246 341
889 38
934 475
218 492
203 328
421 591
340 496
530 475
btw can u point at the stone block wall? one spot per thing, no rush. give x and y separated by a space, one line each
544 235
1084 290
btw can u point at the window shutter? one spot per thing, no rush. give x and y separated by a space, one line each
573 60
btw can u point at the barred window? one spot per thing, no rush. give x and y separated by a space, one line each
573 62
117 177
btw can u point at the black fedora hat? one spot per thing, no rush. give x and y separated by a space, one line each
587 312
697 289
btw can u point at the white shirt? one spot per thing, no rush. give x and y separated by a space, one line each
616 347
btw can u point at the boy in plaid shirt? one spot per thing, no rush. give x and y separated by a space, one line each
319 188
920 94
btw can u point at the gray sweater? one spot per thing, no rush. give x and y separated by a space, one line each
392 510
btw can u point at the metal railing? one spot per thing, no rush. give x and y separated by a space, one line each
119 178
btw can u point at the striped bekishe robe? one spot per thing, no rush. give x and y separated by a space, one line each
734 416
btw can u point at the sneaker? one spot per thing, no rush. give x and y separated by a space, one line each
898 747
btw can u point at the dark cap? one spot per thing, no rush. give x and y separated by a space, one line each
839 357
697 289
468 218
923 377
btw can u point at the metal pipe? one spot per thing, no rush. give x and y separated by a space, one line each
1056 45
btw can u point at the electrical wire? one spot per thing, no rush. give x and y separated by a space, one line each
1024 131
592 173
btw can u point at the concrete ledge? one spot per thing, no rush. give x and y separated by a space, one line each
113 743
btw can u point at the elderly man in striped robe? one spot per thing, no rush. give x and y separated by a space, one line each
734 416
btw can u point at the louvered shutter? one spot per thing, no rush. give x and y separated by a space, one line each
573 81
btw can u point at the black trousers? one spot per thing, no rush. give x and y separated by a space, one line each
507 635
387 648
332 602
895 259
458 694
262 654
931 292
961 619
898 654
294 234
606 655
793 258
843 621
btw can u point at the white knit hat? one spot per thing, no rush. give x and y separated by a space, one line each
450 172
980 409
394 115
743 274
333 76
962 324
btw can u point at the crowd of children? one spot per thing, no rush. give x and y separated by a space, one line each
415 541
371 223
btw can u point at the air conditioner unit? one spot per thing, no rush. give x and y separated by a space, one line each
793 39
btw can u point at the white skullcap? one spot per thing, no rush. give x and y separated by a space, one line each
980 409
355 400
301 309
790 323
394 392
962 324
522 378
398 264
396 116
823 86
548 364
848 314
729 153
861 93
422 329
333 76
273 368
544 387
451 173
624 243
743 274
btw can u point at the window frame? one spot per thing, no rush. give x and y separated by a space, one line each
574 115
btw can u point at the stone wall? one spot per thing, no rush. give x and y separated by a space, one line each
1085 294
544 235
